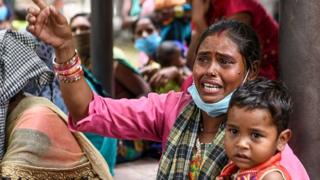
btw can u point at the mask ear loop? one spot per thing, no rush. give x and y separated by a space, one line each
245 78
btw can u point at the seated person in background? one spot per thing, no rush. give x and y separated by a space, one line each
174 19
19 22
5 15
133 9
173 71
35 142
128 84
128 81
257 131
146 40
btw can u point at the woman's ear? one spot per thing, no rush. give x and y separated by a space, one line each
283 139
254 71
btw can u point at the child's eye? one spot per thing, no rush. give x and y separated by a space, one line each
233 131
256 136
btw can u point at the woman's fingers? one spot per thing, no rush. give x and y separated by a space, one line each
41 21
58 17
40 3
31 19
34 11
31 29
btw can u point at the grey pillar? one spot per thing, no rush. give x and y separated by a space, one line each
300 69
102 42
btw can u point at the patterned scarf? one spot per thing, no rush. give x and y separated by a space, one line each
19 65
176 159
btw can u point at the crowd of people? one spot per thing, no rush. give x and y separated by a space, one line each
204 100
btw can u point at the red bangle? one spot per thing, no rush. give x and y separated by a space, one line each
70 70
71 77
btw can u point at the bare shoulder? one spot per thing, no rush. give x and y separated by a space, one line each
274 175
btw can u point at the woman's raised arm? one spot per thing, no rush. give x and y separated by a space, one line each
50 26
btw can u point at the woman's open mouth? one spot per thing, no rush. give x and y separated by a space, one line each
211 88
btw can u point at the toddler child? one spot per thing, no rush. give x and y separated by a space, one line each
172 71
257 131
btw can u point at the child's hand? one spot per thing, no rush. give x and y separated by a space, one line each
148 71
161 78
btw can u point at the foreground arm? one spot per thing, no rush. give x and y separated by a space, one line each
148 118
50 26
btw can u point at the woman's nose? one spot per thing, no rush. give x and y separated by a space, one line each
144 34
212 69
78 31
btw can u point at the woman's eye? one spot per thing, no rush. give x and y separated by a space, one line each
225 61
149 31
202 59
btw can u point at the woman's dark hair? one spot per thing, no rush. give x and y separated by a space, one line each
86 15
151 18
241 34
263 93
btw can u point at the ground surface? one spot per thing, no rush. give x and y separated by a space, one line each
137 170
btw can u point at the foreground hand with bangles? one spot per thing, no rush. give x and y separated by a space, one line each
51 27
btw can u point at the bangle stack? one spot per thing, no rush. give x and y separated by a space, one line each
70 71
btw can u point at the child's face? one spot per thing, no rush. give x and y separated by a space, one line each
251 137
174 59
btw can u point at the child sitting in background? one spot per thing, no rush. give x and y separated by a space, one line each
173 71
257 131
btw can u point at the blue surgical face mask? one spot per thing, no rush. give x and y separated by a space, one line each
3 13
149 44
212 109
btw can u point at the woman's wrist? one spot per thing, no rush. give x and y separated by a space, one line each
65 52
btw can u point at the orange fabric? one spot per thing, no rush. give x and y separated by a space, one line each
256 172
162 4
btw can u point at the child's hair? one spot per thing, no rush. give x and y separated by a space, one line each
166 49
270 95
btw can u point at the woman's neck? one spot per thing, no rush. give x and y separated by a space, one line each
210 126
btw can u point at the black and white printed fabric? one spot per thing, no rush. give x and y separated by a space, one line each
19 65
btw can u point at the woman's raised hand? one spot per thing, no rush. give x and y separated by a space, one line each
48 24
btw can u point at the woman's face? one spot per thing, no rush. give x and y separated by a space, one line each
80 25
219 68
144 28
